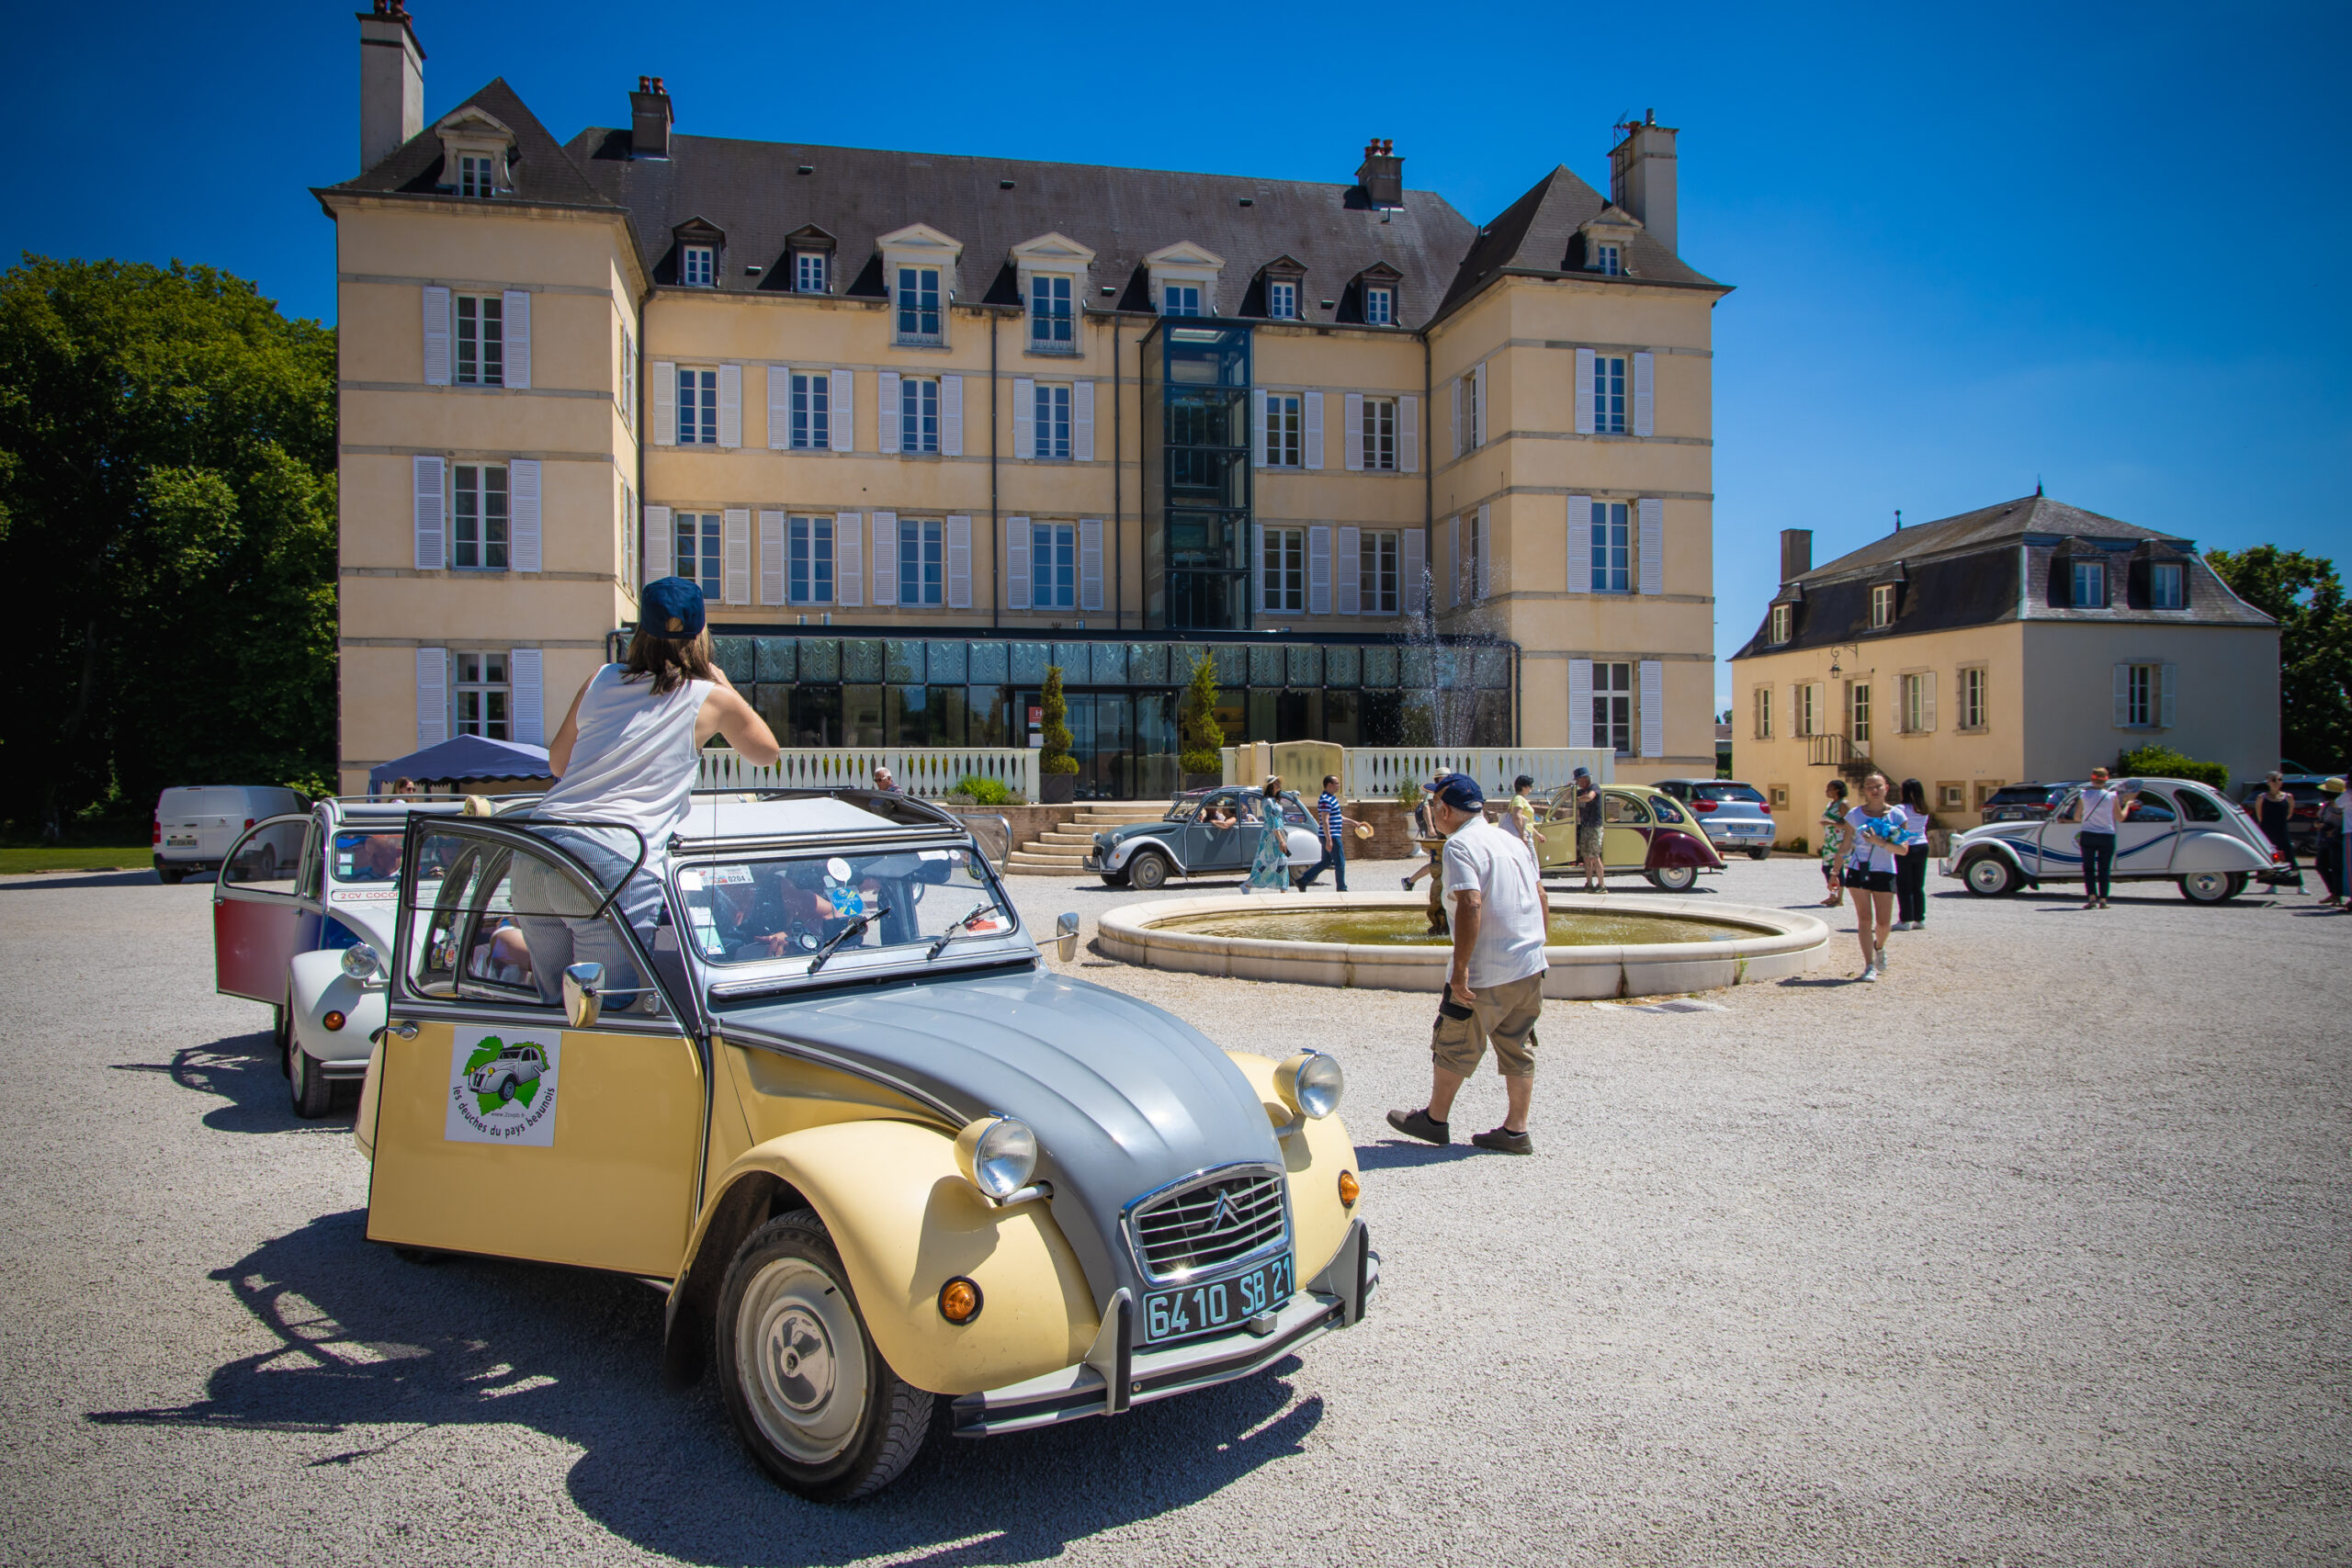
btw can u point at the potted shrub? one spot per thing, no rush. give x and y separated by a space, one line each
1057 769
1202 736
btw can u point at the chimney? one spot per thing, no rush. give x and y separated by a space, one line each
1382 177
1641 175
392 81
649 122
1796 552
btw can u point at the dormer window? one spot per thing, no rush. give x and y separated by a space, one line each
2089 585
1179 299
1783 616
918 267
477 176
477 153
699 266
1050 327
1052 272
1185 279
918 295
2168 585
1380 306
808 273
1609 260
1882 606
1282 299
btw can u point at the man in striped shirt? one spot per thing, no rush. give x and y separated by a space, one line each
1331 823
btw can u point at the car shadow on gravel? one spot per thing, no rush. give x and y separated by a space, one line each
1393 1155
371 1349
242 1070
49 882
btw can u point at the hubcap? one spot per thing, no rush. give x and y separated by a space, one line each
1987 874
2208 884
801 1357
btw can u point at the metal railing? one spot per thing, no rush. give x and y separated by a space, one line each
930 772
1373 773
1833 750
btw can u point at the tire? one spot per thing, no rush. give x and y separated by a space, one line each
270 862
1989 876
170 876
281 1036
1149 871
1673 878
314 1096
1114 879
1760 854
812 1398
2212 886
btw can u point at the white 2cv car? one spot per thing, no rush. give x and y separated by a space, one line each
2171 829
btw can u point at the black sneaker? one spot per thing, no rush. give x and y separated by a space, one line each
1417 1125
1503 1141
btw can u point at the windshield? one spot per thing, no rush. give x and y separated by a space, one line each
754 909
1726 792
370 855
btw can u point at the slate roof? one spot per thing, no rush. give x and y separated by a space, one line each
1537 233
543 171
2005 523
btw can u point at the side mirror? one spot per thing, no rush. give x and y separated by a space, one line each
584 1000
1065 937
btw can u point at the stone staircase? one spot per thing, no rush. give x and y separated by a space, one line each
1061 852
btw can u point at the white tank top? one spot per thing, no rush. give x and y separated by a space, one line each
634 760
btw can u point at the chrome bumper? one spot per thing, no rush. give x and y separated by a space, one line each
1116 1376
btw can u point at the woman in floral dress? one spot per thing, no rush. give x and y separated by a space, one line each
1833 839
1270 870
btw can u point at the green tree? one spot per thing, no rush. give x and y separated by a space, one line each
1202 736
2302 593
167 517
1055 757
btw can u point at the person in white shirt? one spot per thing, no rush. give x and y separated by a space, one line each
1878 832
1495 990
2097 807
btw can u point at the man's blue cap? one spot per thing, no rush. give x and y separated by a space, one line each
1584 772
1461 791
671 606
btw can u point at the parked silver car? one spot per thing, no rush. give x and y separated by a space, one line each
1733 816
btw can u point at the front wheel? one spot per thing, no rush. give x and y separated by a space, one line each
1989 876
2212 886
1760 854
811 1397
313 1095
1674 878
281 1036
1149 871
1114 879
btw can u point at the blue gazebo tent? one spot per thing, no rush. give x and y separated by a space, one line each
464 757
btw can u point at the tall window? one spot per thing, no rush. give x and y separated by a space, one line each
1881 606
1857 712
918 304
922 563
484 696
478 516
1050 327
699 266
809 568
918 414
2090 585
1612 547
1612 707
1971 698
1380 434
1052 438
1286 432
2168 585
1283 575
1608 393
697 408
1380 306
1918 695
808 272
696 536
2141 685
477 176
1052 566
1474 423
1808 709
1608 260
1180 299
1376 567
1783 615
812 410
629 378
481 340
1282 299
1763 713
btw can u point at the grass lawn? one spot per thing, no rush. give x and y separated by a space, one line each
51 857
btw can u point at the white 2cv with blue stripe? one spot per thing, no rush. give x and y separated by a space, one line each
2171 829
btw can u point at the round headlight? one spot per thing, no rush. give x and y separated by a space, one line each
1311 1083
998 1155
362 962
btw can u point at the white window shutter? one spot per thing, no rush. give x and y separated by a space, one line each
1257 425
843 410
848 559
772 561
661 557
1408 434
1319 570
886 559
1016 563
1927 703
1456 385
779 407
436 337
1644 392
516 324
960 562
1352 437
2122 696
1089 563
1347 577
432 697
951 416
730 406
430 511
1584 392
665 402
1457 590
1653 547
1411 567
885 404
529 698
1081 421
735 560
1485 549
1652 708
1024 417
1580 704
2168 678
1478 417
523 513
1580 544
1313 402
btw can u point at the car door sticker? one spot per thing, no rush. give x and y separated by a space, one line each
503 1086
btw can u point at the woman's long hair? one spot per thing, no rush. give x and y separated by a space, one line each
670 660
1913 794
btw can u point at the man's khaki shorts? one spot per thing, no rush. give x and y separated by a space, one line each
1505 1014
1587 844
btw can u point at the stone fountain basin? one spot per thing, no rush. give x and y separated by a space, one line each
1768 944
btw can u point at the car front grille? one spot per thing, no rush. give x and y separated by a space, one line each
1216 1219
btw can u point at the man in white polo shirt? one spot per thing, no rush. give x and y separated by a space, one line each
1495 990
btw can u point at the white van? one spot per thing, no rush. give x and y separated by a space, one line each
195 824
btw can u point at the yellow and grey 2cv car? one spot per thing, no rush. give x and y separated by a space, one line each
821 1087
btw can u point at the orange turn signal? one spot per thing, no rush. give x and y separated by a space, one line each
334 1020
959 1300
1350 1188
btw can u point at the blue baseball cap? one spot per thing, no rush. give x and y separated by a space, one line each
1461 791
671 606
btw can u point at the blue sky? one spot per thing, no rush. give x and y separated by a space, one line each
2100 246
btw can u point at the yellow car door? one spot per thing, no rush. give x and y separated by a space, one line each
1624 830
499 1128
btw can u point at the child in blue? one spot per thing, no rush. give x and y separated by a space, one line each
1879 833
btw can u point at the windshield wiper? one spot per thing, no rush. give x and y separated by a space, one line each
857 924
951 932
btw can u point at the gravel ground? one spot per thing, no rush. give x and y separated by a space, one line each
2034 1253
